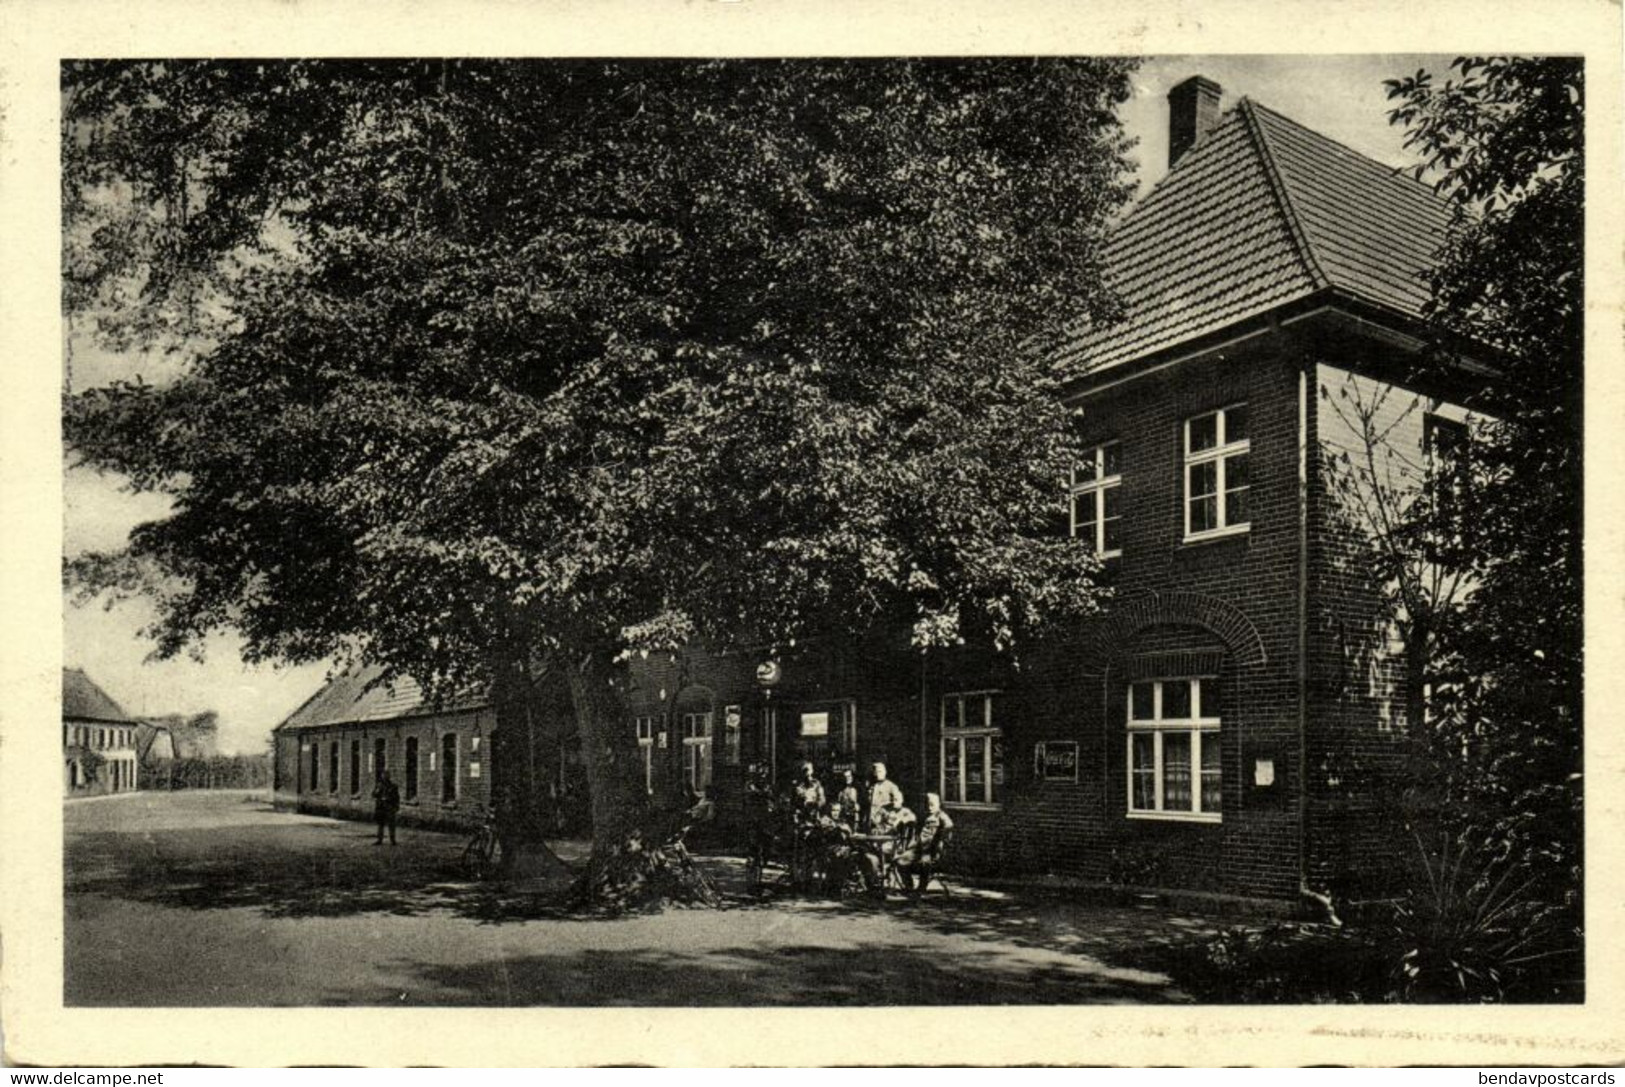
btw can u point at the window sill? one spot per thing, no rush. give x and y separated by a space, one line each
1177 816
971 805
1194 538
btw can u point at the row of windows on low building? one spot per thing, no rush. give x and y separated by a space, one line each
1217 484
1172 747
434 764
98 738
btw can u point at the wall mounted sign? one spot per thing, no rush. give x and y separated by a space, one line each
767 673
815 724
1055 760
1263 773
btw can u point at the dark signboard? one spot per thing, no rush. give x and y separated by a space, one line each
1056 760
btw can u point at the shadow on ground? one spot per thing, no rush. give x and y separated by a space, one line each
337 871
857 975
763 947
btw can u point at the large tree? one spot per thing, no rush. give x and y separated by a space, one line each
1503 139
504 366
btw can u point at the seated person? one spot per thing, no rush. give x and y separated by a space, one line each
920 855
835 840
896 822
703 810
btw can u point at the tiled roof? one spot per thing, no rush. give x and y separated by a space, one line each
1372 230
82 700
1261 213
352 698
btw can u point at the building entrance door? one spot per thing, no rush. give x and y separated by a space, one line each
822 733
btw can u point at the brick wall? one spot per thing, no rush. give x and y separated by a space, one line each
1231 600
1370 464
431 806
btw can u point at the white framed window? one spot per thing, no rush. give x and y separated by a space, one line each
972 751
1217 482
1173 750
1097 508
646 749
696 732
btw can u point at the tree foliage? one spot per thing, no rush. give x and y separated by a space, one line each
1504 140
515 361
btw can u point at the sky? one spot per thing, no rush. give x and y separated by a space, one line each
1340 96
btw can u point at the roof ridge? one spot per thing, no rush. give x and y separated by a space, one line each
1283 198
1394 171
297 710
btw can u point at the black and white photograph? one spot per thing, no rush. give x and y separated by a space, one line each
1058 529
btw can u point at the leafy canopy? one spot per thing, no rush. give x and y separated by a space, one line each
608 355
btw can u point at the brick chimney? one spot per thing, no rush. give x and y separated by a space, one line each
1193 110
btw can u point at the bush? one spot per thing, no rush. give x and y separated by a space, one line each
1282 964
1475 927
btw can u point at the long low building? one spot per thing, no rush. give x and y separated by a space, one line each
330 752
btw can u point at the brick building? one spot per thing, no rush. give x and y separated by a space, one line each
1229 724
330 751
98 739
1232 724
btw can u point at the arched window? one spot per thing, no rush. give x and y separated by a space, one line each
448 768
411 784
333 767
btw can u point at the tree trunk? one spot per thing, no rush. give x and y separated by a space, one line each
516 792
609 753
637 860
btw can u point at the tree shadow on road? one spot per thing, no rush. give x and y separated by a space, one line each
1039 948
861 974
1129 937
341 874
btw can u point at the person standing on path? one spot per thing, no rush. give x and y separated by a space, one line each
387 805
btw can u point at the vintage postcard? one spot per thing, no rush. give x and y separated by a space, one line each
1006 534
